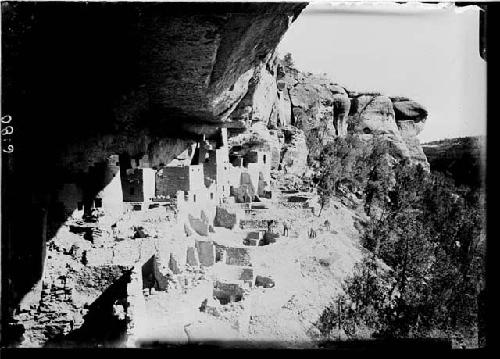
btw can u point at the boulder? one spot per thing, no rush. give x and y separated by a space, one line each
409 111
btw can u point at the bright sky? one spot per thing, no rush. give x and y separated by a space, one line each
428 54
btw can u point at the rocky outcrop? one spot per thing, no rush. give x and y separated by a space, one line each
295 151
284 107
408 110
409 131
306 110
341 107
373 115
259 102
316 104
324 110
376 115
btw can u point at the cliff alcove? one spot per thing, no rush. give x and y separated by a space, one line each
83 81
144 133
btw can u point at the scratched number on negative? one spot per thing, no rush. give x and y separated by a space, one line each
9 130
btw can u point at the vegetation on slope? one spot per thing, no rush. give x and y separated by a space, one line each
424 273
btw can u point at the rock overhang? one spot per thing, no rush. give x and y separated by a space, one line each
165 66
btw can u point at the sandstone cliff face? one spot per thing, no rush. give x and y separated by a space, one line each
286 111
177 63
294 153
207 60
324 109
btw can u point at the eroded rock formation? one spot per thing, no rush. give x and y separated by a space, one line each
324 109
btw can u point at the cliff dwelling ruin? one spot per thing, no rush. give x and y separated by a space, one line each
160 156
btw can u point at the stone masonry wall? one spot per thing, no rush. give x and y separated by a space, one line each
132 185
169 180
136 306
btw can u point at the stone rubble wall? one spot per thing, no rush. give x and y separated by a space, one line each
227 216
206 252
64 301
323 109
136 307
